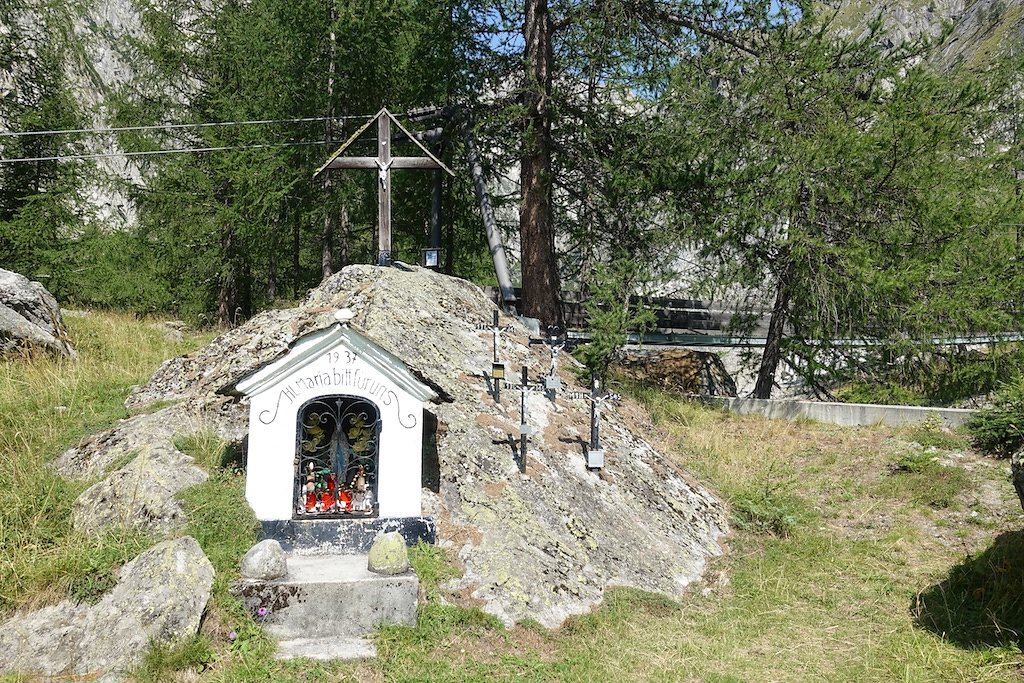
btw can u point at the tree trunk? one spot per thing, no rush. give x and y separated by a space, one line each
276 227
327 254
536 228
296 254
272 276
243 300
227 296
327 245
773 343
344 229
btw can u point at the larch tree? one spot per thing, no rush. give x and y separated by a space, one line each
40 200
854 181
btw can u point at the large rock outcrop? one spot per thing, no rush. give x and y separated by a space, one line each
30 318
140 495
160 598
96 454
149 471
541 543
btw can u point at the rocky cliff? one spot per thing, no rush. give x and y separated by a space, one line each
965 32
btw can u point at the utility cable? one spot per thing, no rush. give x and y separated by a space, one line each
173 126
185 150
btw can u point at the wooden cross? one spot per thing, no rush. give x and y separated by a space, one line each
383 163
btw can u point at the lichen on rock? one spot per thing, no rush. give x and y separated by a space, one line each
160 598
140 495
542 543
30 318
388 554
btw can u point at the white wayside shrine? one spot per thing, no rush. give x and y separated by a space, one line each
335 448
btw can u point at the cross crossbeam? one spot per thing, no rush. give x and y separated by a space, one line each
384 163
423 163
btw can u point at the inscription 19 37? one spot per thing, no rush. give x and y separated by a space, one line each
342 357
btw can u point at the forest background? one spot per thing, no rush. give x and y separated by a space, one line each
794 159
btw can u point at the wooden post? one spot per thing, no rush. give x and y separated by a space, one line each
384 191
435 211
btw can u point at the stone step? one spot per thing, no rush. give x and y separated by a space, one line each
331 596
329 648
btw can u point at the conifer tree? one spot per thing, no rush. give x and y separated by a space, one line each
40 202
860 184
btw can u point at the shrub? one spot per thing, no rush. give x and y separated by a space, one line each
888 394
999 430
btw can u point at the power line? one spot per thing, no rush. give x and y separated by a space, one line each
186 150
173 126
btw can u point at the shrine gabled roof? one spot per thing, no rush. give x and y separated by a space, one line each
308 348
383 112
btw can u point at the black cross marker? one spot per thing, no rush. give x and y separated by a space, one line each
597 397
497 367
525 430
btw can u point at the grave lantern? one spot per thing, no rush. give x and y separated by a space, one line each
497 370
432 258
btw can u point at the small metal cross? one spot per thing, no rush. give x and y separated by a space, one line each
497 367
555 342
525 430
597 397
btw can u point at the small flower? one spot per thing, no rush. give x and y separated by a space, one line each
232 636
262 612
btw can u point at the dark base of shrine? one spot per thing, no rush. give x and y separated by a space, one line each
347 536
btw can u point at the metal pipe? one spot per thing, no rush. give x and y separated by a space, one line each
494 242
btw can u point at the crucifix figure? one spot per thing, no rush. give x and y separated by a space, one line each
555 342
597 397
383 163
497 367
383 171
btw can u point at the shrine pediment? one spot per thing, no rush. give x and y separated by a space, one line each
339 345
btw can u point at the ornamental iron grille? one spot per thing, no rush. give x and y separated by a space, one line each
337 453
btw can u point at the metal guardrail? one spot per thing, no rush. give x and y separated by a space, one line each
692 322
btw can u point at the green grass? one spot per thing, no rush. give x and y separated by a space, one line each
46 405
919 477
857 555
930 435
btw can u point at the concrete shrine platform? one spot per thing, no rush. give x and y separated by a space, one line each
345 535
328 605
